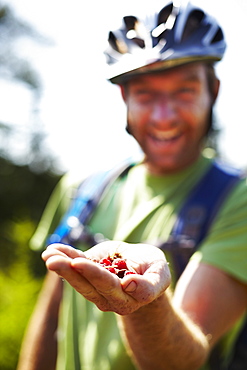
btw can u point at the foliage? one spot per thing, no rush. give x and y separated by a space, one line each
18 71
23 195
11 65
26 181
18 289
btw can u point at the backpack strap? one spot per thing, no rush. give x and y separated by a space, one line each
73 225
198 213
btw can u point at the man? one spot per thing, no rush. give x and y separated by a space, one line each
168 83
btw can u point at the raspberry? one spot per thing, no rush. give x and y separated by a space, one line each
116 265
111 269
120 264
105 262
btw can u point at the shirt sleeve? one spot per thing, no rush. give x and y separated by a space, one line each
226 244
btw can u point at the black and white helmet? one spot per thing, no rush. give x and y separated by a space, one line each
174 36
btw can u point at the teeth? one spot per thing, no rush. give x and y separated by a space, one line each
165 135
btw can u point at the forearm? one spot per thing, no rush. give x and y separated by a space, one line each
39 348
160 337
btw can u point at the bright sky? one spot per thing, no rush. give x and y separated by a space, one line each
81 112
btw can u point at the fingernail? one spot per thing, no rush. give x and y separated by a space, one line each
131 287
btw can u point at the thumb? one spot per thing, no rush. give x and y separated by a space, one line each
143 288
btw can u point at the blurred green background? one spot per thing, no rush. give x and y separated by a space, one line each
23 195
27 177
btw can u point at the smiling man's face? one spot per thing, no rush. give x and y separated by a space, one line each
168 115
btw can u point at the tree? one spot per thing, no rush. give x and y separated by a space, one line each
26 181
23 195
17 70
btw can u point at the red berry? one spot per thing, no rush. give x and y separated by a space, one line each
129 272
121 273
105 262
120 264
111 269
116 265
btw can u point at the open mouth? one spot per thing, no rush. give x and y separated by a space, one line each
165 136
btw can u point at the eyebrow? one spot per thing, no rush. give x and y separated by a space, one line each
191 77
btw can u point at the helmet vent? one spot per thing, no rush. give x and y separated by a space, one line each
112 40
164 14
130 22
161 29
193 23
218 37
132 27
117 44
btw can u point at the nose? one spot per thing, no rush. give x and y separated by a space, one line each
164 112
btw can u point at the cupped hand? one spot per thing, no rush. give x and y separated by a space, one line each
106 290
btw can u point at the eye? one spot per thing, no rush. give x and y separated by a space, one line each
186 93
144 96
185 90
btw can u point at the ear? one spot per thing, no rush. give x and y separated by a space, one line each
216 89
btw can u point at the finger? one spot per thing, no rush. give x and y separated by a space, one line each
104 281
58 263
62 266
63 250
66 249
107 285
52 252
145 288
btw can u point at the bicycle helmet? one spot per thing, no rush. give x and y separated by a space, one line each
174 36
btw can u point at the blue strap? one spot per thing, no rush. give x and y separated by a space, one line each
198 213
88 196
84 200
201 206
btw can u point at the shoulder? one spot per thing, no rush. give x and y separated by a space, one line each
234 206
237 197
225 245
233 180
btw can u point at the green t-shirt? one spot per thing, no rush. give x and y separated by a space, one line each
140 207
